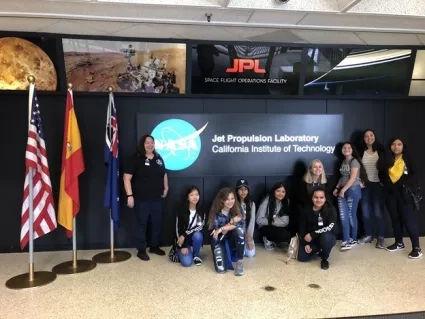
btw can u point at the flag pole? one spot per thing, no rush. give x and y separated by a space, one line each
113 256
74 266
32 278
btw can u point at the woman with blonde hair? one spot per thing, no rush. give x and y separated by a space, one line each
314 178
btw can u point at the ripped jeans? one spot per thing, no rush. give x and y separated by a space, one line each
230 248
348 212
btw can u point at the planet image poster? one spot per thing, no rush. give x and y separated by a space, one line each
143 67
21 57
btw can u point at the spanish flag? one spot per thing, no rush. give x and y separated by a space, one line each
72 167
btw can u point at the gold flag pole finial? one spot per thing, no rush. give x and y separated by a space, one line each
110 89
70 86
31 79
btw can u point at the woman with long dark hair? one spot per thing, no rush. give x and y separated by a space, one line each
349 192
401 175
189 225
226 223
317 229
146 184
372 202
273 217
248 211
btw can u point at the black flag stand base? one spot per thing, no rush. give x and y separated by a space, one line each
31 279
74 266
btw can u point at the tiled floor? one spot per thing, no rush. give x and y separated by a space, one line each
363 281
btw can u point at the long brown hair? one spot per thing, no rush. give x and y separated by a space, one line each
217 205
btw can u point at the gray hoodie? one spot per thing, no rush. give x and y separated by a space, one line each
262 215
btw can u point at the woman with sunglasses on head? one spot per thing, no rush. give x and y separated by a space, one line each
189 225
401 175
372 202
314 178
273 217
248 211
227 227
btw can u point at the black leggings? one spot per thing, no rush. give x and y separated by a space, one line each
276 234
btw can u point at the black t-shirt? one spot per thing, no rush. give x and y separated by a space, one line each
148 176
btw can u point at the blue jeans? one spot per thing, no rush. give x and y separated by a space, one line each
249 253
194 241
348 212
373 200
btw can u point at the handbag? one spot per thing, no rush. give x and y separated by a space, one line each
294 245
415 194
173 254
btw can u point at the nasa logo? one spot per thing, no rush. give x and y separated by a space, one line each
178 143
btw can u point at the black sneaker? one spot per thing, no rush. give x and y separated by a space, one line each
416 253
324 264
197 261
143 255
156 250
395 247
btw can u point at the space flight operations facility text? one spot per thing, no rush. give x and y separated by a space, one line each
269 144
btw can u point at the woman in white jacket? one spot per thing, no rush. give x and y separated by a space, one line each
273 217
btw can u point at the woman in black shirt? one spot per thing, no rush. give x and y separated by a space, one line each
146 184
317 229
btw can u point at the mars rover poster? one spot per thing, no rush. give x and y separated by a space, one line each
144 67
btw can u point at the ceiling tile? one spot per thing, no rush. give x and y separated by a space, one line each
276 17
399 7
422 38
68 27
362 21
145 30
328 37
382 38
198 3
108 27
281 35
343 3
302 5
25 24
206 33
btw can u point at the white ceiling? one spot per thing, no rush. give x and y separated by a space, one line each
361 22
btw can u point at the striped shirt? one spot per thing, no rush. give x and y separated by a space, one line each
369 163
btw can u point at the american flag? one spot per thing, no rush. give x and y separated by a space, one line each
111 159
44 220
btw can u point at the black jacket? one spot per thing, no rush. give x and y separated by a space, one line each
309 222
410 179
184 229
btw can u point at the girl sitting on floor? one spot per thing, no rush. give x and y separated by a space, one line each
226 224
189 225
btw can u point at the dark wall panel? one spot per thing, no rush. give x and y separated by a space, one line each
359 115
234 106
296 106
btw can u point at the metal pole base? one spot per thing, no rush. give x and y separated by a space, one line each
107 258
23 281
68 267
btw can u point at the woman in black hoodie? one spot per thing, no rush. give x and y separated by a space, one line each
400 175
317 229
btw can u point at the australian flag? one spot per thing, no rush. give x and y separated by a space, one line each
111 160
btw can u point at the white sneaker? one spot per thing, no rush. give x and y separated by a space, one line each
345 245
269 245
